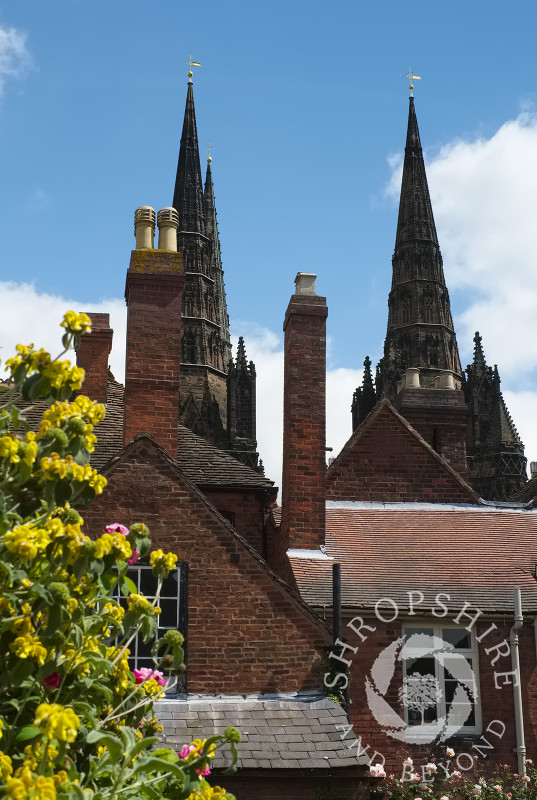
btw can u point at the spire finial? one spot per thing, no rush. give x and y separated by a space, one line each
190 65
209 147
411 77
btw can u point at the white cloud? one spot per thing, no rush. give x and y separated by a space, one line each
28 316
15 58
265 349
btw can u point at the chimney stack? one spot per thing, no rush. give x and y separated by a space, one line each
92 356
304 422
153 292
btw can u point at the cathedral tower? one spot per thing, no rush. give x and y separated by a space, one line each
206 346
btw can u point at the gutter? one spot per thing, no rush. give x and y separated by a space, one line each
520 748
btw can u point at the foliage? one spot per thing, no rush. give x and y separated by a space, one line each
75 722
442 779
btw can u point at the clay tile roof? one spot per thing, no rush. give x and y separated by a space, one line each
472 553
282 731
201 462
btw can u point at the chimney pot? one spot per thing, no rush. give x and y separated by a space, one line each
144 227
305 283
168 222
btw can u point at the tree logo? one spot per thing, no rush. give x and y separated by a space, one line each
422 691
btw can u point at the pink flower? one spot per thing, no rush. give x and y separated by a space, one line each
115 527
134 558
525 778
498 787
146 674
185 750
51 681
529 761
377 771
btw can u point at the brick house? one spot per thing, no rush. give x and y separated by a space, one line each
431 630
428 567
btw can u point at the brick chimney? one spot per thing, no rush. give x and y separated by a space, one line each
304 423
92 356
154 292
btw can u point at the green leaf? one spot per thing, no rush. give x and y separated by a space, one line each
63 492
55 618
36 386
22 669
128 587
28 732
112 744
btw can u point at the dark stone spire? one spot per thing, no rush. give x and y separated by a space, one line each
216 270
495 451
416 221
364 398
241 408
420 330
188 193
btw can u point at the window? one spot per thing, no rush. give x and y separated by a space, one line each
172 601
440 680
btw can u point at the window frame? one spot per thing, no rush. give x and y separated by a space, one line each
472 652
181 569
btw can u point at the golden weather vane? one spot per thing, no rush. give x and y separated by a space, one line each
190 65
209 147
411 77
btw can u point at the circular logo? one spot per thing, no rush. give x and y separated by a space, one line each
430 666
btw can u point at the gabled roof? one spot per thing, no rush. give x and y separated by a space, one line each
278 732
204 464
386 459
473 553
144 449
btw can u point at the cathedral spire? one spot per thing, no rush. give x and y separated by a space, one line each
416 221
188 193
216 270
420 333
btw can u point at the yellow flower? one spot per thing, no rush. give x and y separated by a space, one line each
9 448
76 323
27 646
6 767
57 722
26 785
164 561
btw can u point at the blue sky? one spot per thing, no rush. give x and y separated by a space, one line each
306 111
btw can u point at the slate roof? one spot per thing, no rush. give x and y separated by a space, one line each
528 491
278 731
473 553
204 464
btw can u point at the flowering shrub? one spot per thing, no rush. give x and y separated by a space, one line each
75 721
440 779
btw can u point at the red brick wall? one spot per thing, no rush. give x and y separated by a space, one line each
304 457
248 509
241 620
386 463
441 417
153 292
496 704
268 786
92 356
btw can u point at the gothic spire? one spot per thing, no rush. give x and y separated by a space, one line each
495 451
364 398
420 331
217 272
188 193
416 221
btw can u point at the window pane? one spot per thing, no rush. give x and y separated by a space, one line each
459 638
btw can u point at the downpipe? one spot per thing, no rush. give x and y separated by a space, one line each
520 748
